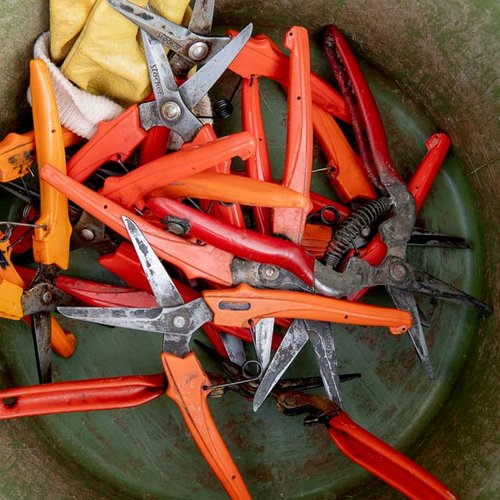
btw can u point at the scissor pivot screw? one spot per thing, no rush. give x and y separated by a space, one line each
179 321
171 110
398 271
198 51
270 273
87 234
46 297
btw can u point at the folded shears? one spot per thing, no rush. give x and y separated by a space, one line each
172 106
52 232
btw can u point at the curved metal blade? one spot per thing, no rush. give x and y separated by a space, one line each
262 336
175 37
41 329
204 79
164 290
321 337
294 340
405 300
234 348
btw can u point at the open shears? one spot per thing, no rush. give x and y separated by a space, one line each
171 108
176 321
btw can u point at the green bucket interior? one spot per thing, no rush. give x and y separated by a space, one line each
431 67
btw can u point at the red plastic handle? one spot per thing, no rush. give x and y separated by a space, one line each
114 140
154 145
299 140
261 57
437 146
197 262
243 243
80 395
385 462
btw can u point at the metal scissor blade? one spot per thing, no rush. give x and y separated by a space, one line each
200 23
428 238
262 335
41 328
160 73
427 284
164 290
294 340
234 348
322 340
202 17
175 37
406 301
193 90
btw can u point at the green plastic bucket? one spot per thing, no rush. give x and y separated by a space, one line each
432 66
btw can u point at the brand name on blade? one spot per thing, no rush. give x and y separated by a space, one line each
156 78
168 41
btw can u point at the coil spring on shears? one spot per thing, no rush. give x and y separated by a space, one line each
359 219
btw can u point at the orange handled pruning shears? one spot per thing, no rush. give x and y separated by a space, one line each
187 382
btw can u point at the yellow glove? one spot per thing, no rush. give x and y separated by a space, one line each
67 19
107 59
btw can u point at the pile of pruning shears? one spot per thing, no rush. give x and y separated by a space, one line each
201 246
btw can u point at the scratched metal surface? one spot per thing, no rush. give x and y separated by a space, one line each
444 59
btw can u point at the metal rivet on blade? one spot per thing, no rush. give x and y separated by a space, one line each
171 110
198 51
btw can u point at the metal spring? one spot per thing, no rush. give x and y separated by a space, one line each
223 108
359 219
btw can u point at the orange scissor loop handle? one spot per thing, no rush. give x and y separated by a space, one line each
187 387
299 140
50 245
18 153
348 177
234 307
262 57
196 261
233 189
131 188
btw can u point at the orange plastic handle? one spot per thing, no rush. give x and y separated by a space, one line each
384 461
187 384
257 166
114 140
299 140
131 188
18 153
233 189
315 239
196 261
234 307
233 213
348 177
50 245
262 57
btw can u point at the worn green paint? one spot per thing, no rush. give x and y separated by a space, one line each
442 57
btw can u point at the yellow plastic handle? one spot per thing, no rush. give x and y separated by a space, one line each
50 244
10 300
18 153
